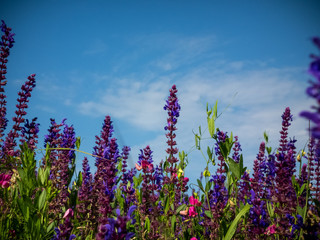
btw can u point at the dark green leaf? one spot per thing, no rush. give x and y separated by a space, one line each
42 199
200 185
208 213
233 226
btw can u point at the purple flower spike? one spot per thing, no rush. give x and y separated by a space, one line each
10 143
314 92
173 109
6 43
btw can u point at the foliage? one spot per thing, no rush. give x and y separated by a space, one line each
50 200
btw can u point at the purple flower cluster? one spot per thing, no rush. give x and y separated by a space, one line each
63 162
116 228
6 43
173 108
63 232
285 167
236 150
220 138
314 92
84 197
29 133
8 148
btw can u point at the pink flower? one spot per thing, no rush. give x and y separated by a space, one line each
271 230
138 167
194 238
5 180
184 213
68 213
192 212
144 165
194 201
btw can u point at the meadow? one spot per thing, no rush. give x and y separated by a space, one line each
45 198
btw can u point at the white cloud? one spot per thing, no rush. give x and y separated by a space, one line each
261 100
257 95
139 104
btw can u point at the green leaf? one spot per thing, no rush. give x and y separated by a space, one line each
270 209
211 126
166 204
208 213
209 152
173 223
197 138
42 199
242 170
224 149
41 176
78 142
50 227
300 210
215 110
265 136
233 226
208 186
172 206
235 168
200 185
147 224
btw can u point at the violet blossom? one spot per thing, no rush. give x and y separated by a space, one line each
6 43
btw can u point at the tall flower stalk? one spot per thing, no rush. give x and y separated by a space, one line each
6 43
10 144
173 108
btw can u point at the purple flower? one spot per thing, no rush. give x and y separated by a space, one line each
116 228
173 108
220 138
24 95
236 150
285 163
6 43
314 92
29 133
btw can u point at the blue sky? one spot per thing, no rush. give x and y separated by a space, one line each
120 58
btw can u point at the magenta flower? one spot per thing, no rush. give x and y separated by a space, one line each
194 238
194 201
271 230
5 180
192 212
68 213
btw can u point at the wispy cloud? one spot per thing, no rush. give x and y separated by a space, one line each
139 104
97 46
252 95
258 106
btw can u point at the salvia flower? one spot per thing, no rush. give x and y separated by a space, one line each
6 43
271 230
116 228
194 201
236 150
64 230
314 92
29 133
24 95
5 180
173 108
192 211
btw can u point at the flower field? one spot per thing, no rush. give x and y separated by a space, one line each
45 198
